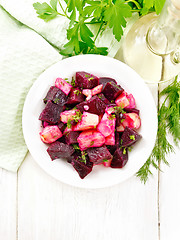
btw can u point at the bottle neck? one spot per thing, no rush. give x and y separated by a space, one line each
164 34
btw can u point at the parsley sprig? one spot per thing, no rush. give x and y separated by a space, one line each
168 122
102 14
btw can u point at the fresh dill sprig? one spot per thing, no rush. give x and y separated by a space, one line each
168 122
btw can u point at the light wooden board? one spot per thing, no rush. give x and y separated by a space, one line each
48 209
8 213
170 198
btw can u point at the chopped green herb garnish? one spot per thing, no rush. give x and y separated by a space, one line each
77 117
83 156
73 82
76 146
112 116
105 160
132 137
124 151
69 125
77 92
91 144
56 100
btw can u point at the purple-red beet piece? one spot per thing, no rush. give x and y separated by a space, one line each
60 150
80 166
102 97
112 91
56 95
98 154
94 105
61 126
71 137
86 80
104 80
75 96
131 110
119 118
112 148
120 158
51 113
129 137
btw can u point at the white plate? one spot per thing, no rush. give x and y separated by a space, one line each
101 66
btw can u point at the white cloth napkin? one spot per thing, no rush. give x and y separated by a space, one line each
24 55
28 45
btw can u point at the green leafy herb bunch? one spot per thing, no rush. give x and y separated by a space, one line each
83 14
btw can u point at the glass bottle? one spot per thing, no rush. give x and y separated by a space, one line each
152 45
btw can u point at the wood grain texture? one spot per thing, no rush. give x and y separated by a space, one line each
8 212
170 198
49 209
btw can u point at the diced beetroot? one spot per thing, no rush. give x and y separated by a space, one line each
75 96
94 105
106 125
122 100
119 118
80 166
102 97
60 150
112 148
45 124
98 154
88 121
61 126
51 113
71 137
86 80
104 80
131 110
112 91
50 134
110 140
51 93
63 85
68 115
107 163
129 137
120 158
132 120
90 138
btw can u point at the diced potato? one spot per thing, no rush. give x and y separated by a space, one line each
122 101
110 140
50 134
88 121
132 120
68 115
97 89
106 125
63 85
90 138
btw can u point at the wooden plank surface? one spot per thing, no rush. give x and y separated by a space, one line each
48 209
170 198
8 213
